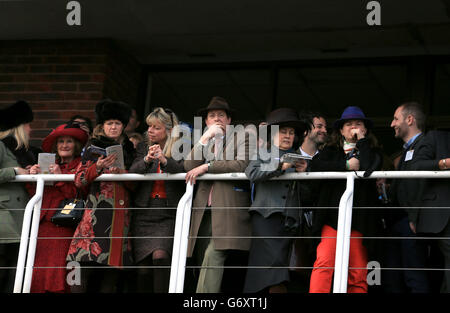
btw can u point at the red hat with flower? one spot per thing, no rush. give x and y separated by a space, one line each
71 130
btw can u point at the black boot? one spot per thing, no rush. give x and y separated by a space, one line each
144 279
161 275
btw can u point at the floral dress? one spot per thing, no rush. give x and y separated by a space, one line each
102 235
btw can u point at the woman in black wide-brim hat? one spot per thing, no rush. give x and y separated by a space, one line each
275 210
15 157
352 147
101 236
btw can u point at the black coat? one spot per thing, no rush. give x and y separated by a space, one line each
328 192
404 192
436 191
174 189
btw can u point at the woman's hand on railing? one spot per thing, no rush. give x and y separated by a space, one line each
54 169
444 164
21 171
116 170
35 169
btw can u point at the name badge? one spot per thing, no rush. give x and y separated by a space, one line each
409 155
68 208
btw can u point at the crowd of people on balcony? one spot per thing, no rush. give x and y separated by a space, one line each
123 242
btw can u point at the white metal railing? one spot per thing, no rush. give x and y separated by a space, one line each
32 213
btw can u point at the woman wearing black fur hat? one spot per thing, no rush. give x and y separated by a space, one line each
100 238
14 158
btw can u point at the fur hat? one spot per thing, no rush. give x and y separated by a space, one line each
15 115
112 110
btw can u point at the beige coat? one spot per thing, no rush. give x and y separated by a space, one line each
226 194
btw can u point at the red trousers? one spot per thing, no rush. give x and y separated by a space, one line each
322 273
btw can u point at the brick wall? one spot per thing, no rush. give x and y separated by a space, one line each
60 78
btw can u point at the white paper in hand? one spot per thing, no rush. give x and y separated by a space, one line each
117 149
44 161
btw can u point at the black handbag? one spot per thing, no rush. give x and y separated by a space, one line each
70 213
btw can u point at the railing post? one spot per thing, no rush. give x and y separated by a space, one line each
25 235
180 241
343 237
183 217
33 239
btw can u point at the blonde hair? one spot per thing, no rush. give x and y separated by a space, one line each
170 121
19 134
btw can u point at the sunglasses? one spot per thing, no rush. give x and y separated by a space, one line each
170 112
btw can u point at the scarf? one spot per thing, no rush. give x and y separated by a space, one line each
349 146
24 156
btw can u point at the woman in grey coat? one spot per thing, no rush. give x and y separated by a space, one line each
156 202
275 210
14 157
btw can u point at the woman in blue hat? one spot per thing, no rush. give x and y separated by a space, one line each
352 147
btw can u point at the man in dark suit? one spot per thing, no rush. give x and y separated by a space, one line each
408 124
433 154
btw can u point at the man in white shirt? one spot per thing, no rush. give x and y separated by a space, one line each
316 137
303 249
409 125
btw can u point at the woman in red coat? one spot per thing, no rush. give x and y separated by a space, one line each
49 274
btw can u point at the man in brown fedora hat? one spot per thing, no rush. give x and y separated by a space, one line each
216 103
217 208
